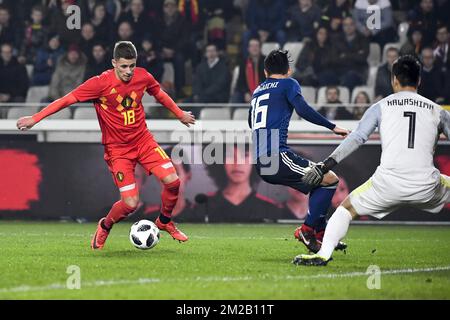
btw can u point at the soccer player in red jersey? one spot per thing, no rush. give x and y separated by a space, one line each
117 96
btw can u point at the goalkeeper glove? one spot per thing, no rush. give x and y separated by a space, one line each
314 176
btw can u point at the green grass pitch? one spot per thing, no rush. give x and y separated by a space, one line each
221 262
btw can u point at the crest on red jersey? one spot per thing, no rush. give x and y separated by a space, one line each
127 102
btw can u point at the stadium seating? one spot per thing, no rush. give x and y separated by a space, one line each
403 32
240 114
30 69
372 76
36 94
358 89
309 93
62 114
374 57
83 113
344 95
215 114
169 73
294 48
234 79
17 112
267 47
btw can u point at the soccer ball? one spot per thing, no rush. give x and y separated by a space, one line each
144 234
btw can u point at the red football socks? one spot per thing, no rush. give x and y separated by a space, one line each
119 211
169 197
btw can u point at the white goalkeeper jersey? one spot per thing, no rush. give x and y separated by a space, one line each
409 127
409 130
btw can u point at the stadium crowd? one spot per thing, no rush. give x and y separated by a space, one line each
211 51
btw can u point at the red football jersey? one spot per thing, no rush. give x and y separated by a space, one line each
119 104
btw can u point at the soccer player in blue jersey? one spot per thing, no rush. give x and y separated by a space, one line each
273 102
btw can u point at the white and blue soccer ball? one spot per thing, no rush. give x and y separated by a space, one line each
144 234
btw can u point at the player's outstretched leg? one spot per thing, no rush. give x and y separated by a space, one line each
169 197
341 246
119 211
319 202
336 230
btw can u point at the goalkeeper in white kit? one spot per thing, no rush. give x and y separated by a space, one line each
409 127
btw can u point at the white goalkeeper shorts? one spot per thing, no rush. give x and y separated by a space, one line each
381 195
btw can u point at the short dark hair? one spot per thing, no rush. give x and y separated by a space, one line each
38 8
407 70
392 49
277 62
124 49
338 91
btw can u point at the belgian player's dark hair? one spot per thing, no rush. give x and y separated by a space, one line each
277 62
124 49
407 70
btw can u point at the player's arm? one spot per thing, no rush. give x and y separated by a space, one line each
154 89
369 122
187 118
26 123
90 89
444 125
305 111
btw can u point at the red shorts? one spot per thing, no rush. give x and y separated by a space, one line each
122 162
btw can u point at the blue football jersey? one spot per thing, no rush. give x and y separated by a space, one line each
270 113
273 102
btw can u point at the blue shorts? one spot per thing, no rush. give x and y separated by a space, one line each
291 168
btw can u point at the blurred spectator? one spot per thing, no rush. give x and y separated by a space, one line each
414 44
150 59
125 32
58 25
441 49
383 86
352 51
424 17
314 66
265 20
98 63
34 38
382 33
138 20
14 80
251 73
69 73
338 112
46 59
88 39
431 84
363 100
333 15
174 35
443 9
114 9
87 8
102 23
9 33
304 19
215 29
211 81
